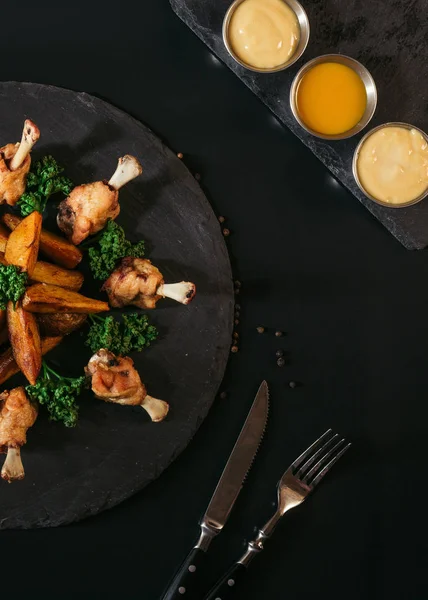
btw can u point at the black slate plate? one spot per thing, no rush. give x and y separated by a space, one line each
389 37
115 451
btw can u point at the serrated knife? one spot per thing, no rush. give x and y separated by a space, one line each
225 495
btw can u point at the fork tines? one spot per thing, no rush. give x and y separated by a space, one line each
311 466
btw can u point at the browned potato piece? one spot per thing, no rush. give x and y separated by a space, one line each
8 366
4 236
45 298
3 327
22 246
53 246
60 323
45 272
25 340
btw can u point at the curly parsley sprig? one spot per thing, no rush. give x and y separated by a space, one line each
133 334
43 181
58 395
111 246
12 284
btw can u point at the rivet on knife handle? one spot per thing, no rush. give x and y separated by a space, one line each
224 497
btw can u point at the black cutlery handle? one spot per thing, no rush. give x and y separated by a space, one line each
225 587
181 586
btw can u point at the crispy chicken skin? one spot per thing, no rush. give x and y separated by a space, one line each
12 183
135 282
17 414
87 210
89 206
115 379
140 283
15 161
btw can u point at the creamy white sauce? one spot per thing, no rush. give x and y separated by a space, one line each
392 165
264 33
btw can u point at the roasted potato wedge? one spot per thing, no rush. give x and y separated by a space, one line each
45 272
45 298
4 336
60 323
4 236
8 366
22 246
53 246
25 340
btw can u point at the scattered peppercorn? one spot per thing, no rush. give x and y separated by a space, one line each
237 307
237 284
226 232
278 333
235 335
180 155
223 395
234 349
280 362
292 384
237 290
279 353
237 314
260 329
198 176
236 321
221 219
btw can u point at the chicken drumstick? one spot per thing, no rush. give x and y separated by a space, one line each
140 283
17 414
88 207
15 161
115 379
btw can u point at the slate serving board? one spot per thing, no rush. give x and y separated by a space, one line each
389 37
115 451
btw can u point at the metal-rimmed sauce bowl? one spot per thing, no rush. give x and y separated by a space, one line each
365 77
355 164
304 28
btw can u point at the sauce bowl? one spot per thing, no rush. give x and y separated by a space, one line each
304 28
365 77
355 165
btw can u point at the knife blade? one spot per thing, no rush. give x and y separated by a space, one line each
225 494
239 463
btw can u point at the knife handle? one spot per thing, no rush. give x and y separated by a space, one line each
225 587
183 584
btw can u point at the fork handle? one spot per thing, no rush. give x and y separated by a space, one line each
225 587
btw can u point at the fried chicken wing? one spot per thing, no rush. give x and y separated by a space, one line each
17 415
88 207
115 379
140 283
15 161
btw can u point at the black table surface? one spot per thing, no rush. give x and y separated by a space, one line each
313 263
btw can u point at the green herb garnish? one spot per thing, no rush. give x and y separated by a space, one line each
112 246
58 395
133 334
12 284
44 180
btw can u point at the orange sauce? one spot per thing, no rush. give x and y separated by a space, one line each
331 98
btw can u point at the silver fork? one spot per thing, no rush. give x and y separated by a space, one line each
298 481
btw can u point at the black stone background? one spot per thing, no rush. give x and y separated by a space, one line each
388 37
112 453
312 262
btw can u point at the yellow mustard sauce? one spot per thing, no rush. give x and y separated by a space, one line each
331 98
